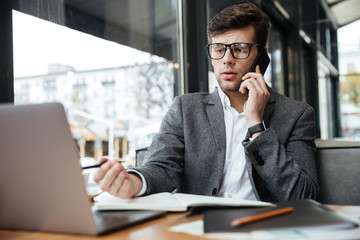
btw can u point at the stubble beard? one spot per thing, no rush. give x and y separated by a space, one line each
230 87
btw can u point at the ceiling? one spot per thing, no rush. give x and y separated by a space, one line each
345 11
134 13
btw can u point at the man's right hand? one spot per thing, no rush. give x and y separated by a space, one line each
112 177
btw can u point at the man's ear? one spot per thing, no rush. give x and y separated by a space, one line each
266 49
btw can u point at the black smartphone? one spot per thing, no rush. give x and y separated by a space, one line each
262 59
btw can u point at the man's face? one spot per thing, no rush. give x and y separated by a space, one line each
229 70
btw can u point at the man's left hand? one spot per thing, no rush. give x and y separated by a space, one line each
258 96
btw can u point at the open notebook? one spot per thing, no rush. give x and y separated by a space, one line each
41 182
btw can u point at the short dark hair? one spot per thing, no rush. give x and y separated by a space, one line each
240 16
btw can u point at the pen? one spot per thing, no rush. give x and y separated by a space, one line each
97 165
257 217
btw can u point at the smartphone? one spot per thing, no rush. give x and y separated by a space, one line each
262 59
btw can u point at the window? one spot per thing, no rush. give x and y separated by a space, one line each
111 64
349 68
274 76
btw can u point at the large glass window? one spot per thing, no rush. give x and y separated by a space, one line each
274 76
349 68
113 65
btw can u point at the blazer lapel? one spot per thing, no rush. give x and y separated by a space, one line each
216 119
215 115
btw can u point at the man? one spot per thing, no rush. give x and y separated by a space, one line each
242 141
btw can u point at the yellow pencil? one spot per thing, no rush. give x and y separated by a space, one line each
257 217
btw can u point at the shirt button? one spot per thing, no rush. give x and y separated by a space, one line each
237 141
214 191
229 195
236 170
239 116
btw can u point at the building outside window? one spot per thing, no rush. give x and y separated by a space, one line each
115 88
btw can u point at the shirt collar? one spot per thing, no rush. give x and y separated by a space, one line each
225 101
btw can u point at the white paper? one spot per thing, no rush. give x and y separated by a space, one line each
165 201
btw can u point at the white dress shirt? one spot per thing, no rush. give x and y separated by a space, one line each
235 183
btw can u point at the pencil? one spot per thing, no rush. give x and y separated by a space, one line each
257 217
97 165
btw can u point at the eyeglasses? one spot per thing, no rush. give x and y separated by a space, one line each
239 50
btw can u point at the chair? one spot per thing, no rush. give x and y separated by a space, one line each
141 148
338 168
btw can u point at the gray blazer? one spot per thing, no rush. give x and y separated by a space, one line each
188 154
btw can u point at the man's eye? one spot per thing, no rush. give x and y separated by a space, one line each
239 50
218 50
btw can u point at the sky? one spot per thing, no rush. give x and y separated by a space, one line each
37 43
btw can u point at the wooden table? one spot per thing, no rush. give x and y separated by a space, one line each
156 229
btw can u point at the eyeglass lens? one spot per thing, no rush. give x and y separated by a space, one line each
238 50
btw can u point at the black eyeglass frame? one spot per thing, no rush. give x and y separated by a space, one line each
231 51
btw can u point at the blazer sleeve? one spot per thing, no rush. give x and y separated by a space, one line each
162 167
282 158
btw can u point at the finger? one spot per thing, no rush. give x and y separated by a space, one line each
256 77
103 159
109 177
243 87
100 173
262 81
117 184
251 75
252 83
125 191
254 89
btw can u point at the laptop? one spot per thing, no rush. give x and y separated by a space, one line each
41 182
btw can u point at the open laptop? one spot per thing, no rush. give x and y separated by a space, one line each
41 182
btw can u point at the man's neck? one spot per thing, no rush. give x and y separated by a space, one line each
237 100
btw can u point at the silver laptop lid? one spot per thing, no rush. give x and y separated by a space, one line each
41 184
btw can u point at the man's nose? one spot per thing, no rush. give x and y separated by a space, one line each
228 57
